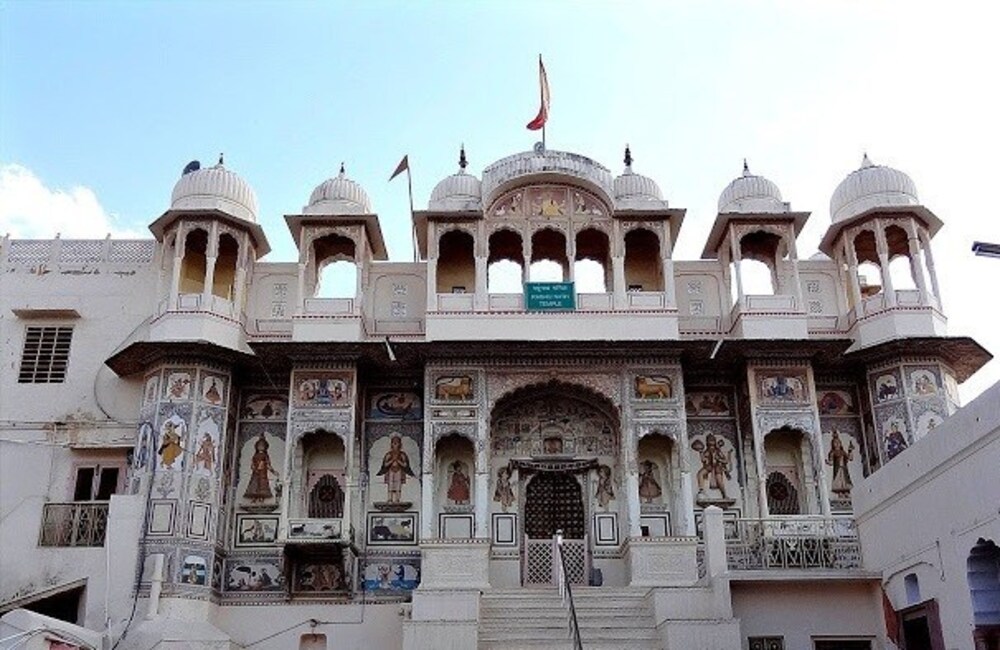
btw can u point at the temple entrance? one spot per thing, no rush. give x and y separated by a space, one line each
554 502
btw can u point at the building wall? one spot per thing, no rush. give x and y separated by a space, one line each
922 513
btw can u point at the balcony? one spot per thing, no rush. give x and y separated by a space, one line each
793 543
78 523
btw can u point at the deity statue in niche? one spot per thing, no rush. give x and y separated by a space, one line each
649 486
838 458
715 466
259 487
504 492
605 489
395 468
458 483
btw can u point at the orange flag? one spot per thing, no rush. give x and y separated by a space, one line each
403 165
543 110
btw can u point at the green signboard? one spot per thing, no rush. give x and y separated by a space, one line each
550 296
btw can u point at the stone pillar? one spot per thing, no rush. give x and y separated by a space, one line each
715 543
634 510
482 297
883 261
300 306
687 502
793 260
853 284
206 291
175 276
737 258
427 506
930 267
618 271
482 502
758 456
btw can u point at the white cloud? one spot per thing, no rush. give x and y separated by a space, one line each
30 210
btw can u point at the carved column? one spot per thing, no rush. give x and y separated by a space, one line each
883 261
175 276
737 258
793 260
667 260
853 284
930 266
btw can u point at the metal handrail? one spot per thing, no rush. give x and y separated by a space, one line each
566 590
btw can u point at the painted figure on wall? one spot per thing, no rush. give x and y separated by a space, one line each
895 441
715 465
649 487
504 493
783 388
886 388
205 456
838 458
212 394
458 483
141 456
605 490
395 468
259 487
179 386
653 387
924 383
171 441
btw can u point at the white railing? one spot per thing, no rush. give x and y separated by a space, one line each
793 543
79 523
77 251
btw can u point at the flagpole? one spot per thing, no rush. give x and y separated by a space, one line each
413 222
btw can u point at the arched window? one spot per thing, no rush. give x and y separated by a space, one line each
983 574
657 470
456 263
869 271
336 267
758 268
322 460
194 263
549 262
505 263
643 267
786 459
592 266
454 469
912 585
224 279
901 266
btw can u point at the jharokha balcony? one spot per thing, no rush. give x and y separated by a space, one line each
77 523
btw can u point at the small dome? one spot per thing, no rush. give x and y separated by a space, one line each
338 195
214 188
635 190
751 193
871 186
459 191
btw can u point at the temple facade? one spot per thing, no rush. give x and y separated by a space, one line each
203 449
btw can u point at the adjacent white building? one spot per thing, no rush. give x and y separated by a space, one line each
203 449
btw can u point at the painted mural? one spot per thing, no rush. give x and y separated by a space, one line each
207 436
178 385
653 387
395 405
783 387
503 491
459 484
894 436
836 402
173 438
844 466
454 387
553 425
707 404
319 577
194 570
259 483
321 389
265 407
254 574
390 576
886 386
650 482
254 530
715 477
604 491
151 389
213 389
395 486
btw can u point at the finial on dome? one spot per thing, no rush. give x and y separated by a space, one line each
866 162
462 162
220 159
746 168
628 158
342 172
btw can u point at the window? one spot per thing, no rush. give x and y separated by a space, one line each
767 643
842 644
95 483
45 355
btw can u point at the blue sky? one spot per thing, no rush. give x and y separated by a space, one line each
102 104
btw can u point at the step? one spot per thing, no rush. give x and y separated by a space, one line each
568 645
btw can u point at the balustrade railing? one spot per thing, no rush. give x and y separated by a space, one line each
793 543
80 523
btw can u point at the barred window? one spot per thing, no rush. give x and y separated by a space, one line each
45 355
767 643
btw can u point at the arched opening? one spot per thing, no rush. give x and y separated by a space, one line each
456 263
323 465
787 464
336 267
505 264
912 585
454 469
224 280
195 262
983 574
549 262
643 267
758 267
658 469
869 271
592 266
312 641
902 268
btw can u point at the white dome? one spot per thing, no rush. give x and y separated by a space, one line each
635 190
459 191
750 193
871 186
338 195
215 188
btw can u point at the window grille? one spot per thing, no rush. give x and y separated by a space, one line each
45 355
767 643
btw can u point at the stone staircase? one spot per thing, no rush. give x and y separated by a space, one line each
529 619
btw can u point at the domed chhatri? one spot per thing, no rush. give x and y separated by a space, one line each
636 191
338 195
749 193
871 186
459 192
214 188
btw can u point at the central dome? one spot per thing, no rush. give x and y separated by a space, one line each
871 186
214 188
459 192
749 193
338 195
